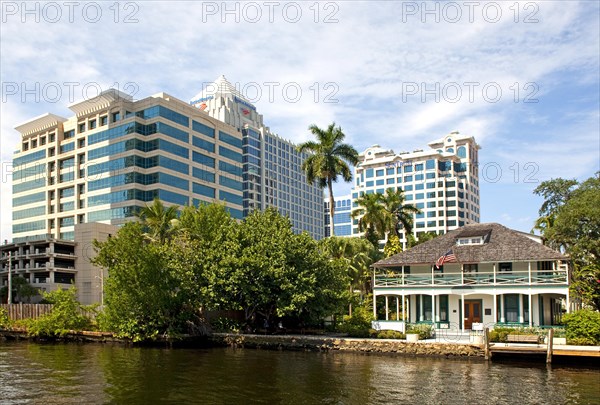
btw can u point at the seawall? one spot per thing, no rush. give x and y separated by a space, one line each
333 344
279 342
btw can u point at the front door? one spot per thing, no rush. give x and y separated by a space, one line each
472 312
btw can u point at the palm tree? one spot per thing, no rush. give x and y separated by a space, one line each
160 220
397 213
358 255
371 215
382 214
329 158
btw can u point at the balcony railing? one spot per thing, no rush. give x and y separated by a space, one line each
542 277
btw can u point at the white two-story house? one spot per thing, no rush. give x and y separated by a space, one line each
486 274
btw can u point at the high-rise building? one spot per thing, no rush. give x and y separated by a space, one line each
272 167
443 182
342 220
114 156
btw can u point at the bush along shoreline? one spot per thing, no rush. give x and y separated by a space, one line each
65 322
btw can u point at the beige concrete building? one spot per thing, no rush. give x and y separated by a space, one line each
442 181
90 279
50 263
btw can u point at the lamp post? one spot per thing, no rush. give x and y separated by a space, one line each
9 300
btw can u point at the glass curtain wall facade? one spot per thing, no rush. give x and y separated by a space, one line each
113 157
272 168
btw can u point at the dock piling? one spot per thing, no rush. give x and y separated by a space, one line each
549 353
486 342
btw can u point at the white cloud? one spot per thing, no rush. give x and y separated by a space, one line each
370 54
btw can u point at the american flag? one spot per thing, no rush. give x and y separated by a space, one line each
203 106
448 257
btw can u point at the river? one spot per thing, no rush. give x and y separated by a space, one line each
97 374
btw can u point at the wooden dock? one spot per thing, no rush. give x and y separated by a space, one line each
536 349
576 351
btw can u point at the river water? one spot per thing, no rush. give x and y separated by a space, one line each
96 374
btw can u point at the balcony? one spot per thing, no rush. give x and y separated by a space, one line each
537 277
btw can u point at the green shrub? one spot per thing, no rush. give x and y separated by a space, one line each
390 334
425 331
359 324
5 322
64 316
583 327
500 333
560 332
355 331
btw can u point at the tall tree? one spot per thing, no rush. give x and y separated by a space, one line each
329 158
555 192
357 254
397 212
161 221
382 214
575 229
152 289
275 273
372 217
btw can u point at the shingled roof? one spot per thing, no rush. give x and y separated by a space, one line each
501 245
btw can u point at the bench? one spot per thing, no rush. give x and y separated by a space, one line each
511 338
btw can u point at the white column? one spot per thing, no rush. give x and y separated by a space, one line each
530 310
421 314
387 315
502 317
434 311
9 299
397 308
495 308
374 307
529 271
494 273
462 312
568 304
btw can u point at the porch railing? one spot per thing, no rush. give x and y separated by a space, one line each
387 279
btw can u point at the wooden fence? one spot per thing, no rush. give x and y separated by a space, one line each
17 312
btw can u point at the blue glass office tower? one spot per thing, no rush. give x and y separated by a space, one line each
116 155
342 220
272 168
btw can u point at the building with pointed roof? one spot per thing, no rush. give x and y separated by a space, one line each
116 154
479 274
272 167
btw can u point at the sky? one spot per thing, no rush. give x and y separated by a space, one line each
523 78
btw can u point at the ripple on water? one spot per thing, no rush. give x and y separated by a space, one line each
94 374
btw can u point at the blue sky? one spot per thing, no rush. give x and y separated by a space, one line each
521 77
